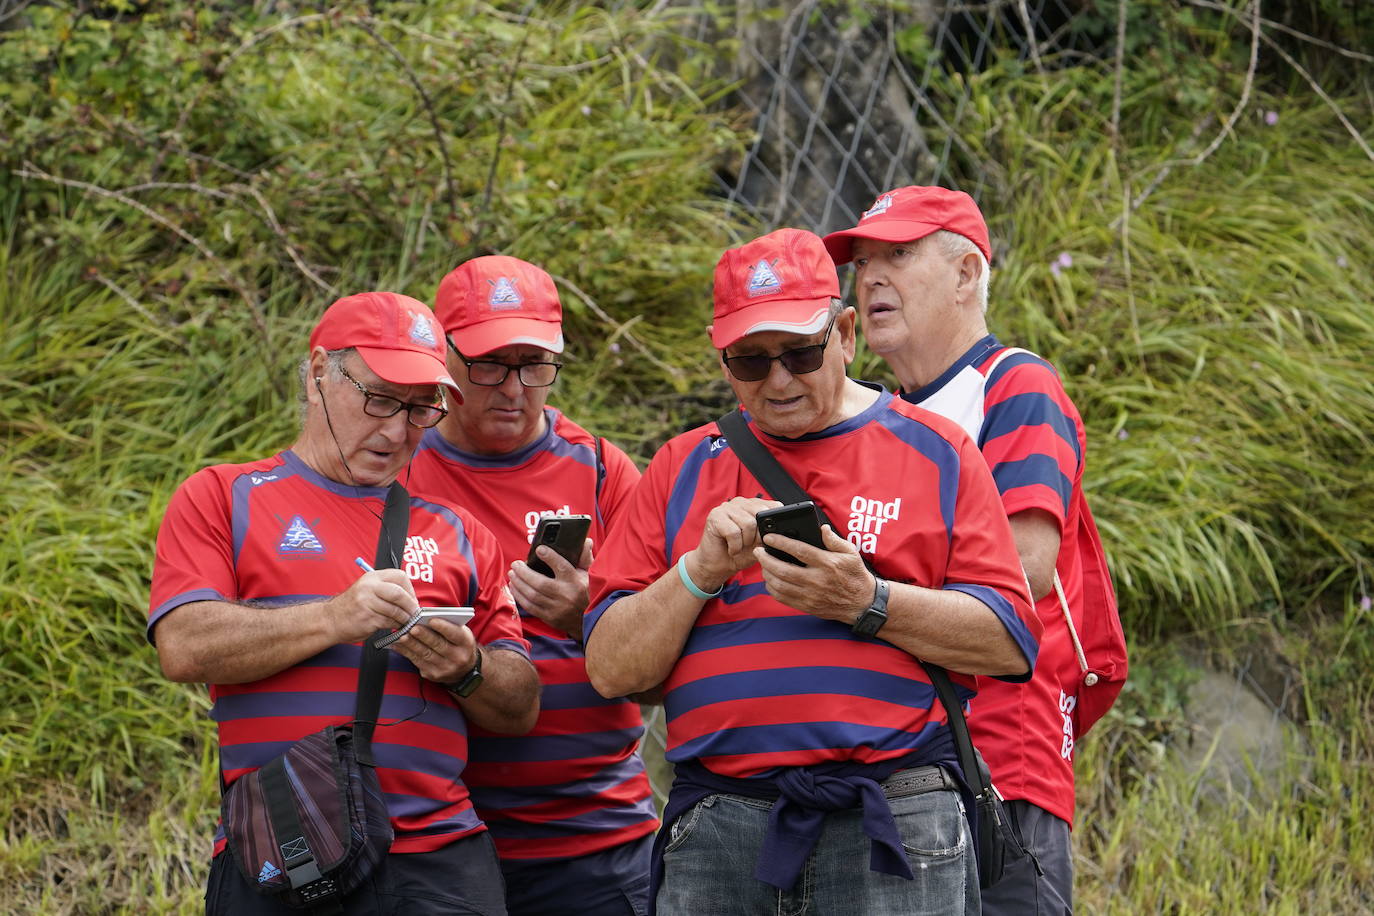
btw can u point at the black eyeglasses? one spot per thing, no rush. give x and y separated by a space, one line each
421 416
489 373
800 360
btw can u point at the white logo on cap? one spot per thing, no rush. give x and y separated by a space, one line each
421 332
879 206
504 295
762 280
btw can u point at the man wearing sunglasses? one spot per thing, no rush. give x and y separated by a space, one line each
257 591
921 257
569 804
814 770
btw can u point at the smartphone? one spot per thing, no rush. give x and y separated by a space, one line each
459 615
565 534
798 521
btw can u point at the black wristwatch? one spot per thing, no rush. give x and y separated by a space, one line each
875 615
471 681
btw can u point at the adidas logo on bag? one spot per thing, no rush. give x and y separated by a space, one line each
269 871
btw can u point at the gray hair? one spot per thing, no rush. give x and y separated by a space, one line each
335 363
954 246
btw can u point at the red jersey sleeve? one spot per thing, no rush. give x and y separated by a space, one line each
194 560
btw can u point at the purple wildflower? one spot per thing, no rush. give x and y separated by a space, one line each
1065 259
1271 118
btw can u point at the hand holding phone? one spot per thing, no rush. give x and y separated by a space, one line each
798 521
563 534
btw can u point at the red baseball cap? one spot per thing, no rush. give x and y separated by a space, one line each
783 281
911 213
495 301
397 336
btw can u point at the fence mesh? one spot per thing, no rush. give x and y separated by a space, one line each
839 110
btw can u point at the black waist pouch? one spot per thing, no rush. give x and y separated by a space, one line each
310 825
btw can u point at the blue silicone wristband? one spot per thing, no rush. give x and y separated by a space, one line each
691 586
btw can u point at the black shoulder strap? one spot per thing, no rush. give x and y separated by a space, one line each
781 485
391 542
600 472
761 462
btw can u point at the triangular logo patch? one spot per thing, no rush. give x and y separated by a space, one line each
421 332
504 295
763 280
879 206
298 538
269 871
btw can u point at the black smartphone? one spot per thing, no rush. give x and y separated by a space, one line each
565 534
798 521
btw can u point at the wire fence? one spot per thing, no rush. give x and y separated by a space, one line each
840 107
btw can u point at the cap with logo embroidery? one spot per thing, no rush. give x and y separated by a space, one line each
397 336
496 301
911 213
782 281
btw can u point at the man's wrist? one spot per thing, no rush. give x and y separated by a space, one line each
469 682
872 618
696 580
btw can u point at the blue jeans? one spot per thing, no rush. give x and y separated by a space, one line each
711 851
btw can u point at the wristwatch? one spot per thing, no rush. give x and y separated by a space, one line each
471 681
875 615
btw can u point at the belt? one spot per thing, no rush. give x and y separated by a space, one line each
917 781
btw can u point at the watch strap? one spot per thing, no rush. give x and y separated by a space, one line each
875 615
471 681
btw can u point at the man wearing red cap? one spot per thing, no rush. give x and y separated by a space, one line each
569 804
257 591
815 772
921 257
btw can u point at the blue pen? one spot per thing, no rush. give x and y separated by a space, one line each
366 566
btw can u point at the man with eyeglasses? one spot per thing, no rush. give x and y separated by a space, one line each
921 257
814 769
257 591
569 804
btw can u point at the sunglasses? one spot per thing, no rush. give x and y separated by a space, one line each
798 361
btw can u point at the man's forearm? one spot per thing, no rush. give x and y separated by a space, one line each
220 642
951 629
640 637
508 699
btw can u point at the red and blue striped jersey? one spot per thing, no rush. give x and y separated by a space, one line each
275 532
576 783
761 686
1015 407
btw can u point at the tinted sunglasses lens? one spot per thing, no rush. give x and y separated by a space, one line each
749 368
802 360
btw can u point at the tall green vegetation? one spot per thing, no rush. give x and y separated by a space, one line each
186 187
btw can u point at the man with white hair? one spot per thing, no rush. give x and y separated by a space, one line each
921 257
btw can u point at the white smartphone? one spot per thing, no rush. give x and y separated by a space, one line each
459 615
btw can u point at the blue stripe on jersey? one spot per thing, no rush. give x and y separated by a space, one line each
579 695
1030 409
608 778
594 613
1016 628
939 450
780 683
762 630
599 820
798 736
684 491
551 648
734 594
1034 470
523 748
176 601
1024 358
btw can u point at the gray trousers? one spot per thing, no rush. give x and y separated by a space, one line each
1040 883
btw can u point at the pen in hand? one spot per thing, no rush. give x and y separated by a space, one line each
363 564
